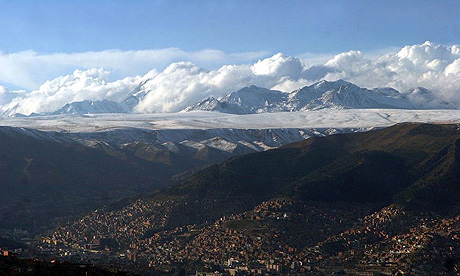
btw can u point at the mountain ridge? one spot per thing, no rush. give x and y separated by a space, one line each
324 94
90 107
252 99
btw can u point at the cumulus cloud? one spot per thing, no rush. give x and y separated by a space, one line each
91 84
182 84
453 68
29 69
6 96
435 67
279 66
428 65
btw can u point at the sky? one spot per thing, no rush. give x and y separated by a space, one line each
292 27
44 42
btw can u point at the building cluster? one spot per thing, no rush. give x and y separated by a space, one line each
390 241
269 239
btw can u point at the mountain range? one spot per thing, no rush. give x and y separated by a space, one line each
338 94
324 94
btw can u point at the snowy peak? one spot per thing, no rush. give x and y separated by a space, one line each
209 104
255 99
133 99
253 95
325 85
248 100
324 94
90 107
342 94
322 87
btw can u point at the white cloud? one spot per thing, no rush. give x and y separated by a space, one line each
453 68
428 65
91 84
291 85
29 69
279 66
425 54
182 84
315 58
6 96
435 67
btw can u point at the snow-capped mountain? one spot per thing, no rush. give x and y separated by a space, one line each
133 99
248 100
90 107
338 94
342 94
324 94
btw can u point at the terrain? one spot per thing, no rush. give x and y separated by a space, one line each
48 176
81 163
381 201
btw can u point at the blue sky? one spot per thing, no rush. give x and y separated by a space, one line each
291 27
42 40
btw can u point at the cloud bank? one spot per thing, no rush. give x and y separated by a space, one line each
29 69
435 67
92 84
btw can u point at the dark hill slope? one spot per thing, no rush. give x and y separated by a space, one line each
41 179
406 163
318 201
